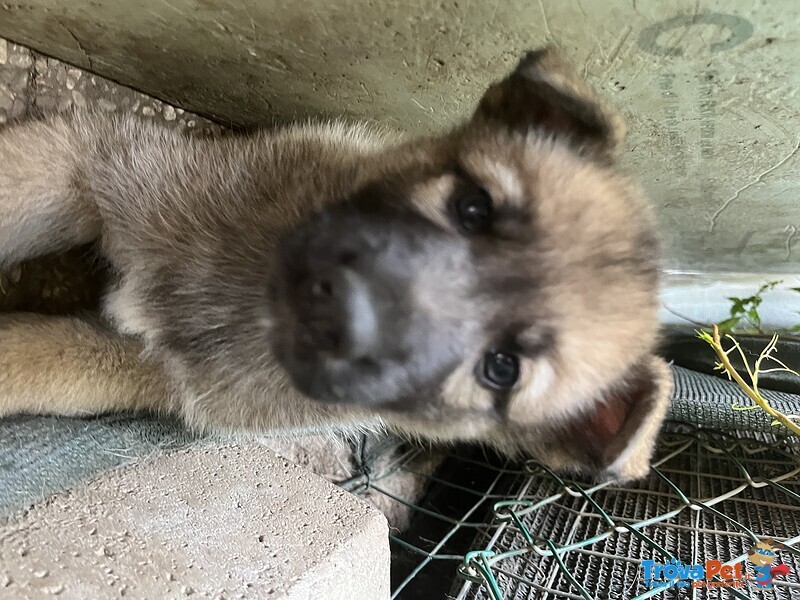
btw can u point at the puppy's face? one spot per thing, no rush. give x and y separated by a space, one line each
496 283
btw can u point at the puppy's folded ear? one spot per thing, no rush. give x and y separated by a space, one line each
545 93
615 438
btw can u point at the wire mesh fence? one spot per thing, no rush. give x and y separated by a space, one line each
709 497
489 528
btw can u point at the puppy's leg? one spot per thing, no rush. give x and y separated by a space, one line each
43 207
68 366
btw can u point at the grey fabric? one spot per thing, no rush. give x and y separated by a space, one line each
43 455
707 401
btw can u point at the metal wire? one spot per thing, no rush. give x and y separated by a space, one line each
535 534
709 496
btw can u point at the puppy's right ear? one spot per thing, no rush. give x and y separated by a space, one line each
614 438
545 93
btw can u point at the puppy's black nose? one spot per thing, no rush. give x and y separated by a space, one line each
335 313
322 336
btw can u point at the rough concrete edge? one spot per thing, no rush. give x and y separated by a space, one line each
342 587
316 581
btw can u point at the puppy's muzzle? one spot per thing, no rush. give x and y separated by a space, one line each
363 296
336 314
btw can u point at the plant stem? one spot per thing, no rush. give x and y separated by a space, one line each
753 394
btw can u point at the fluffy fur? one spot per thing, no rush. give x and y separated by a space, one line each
220 250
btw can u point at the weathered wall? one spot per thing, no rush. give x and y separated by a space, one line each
709 88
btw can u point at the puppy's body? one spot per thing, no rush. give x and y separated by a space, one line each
188 225
328 276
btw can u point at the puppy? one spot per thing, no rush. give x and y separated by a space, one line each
497 283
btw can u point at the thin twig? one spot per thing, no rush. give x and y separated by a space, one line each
752 392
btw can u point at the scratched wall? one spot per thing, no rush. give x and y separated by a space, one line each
709 88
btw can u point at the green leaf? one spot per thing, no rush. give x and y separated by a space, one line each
705 336
728 324
737 305
768 286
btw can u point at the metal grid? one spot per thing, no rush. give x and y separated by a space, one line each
446 522
497 530
708 496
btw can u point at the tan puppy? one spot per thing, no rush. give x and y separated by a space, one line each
497 283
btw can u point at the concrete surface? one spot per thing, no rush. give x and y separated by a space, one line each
32 85
233 521
40 456
710 88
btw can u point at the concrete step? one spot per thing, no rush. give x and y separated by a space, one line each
230 521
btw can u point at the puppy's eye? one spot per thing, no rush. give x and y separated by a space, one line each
475 211
499 370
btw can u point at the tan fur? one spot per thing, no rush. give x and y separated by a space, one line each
53 220
74 367
192 210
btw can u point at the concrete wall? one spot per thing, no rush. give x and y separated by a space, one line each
709 88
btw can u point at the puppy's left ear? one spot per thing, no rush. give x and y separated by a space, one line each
615 438
545 93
